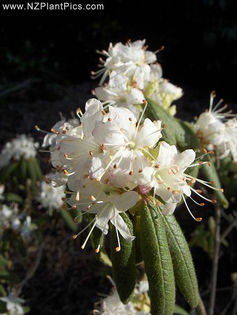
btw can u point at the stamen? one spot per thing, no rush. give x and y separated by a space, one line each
89 234
196 219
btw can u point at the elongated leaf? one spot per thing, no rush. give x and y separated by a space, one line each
8 170
179 310
11 197
4 275
31 171
158 263
184 270
154 111
2 291
23 169
123 262
68 220
37 168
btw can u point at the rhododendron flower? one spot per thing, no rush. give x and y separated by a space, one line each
118 92
217 131
106 203
21 147
131 60
50 197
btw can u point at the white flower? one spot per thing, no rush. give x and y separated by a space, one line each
9 218
131 60
106 203
112 305
129 141
13 304
118 92
230 144
171 182
216 131
22 146
50 197
139 305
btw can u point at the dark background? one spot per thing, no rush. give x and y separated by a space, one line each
45 63
199 37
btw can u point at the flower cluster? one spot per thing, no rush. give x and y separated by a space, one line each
22 146
112 157
111 160
217 130
134 75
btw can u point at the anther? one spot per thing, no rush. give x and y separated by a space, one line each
74 236
140 171
92 198
115 166
103 112
117 249
91 153
163 126
130 173
77 198
204 150
199 191
202 204
199 219
102 147
214 201
130 119
157 166
109 119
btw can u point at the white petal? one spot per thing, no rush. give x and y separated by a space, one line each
122 227
125 201
184 159
149 134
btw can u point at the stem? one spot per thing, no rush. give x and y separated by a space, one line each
215 261
200 309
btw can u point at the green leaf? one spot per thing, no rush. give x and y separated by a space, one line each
11 197
2 291
154 111
23 169
4 275
184 270
179 310
3 261
31 171
8 170
123 263
37 168
158 263
68 220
